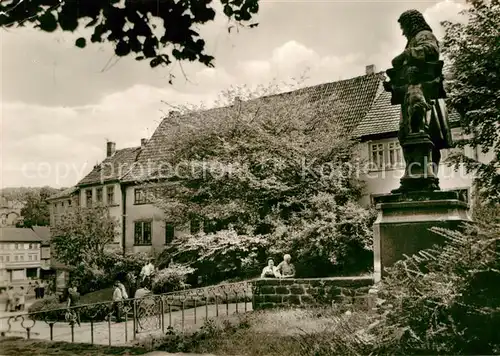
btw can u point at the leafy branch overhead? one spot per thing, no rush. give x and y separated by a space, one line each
159 30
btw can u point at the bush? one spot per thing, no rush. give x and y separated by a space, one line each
108 268
171 279
445 300
48 303
278 176
95 306
329 239
218 256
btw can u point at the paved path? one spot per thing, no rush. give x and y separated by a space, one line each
116 334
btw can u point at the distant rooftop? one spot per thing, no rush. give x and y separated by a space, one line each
113 167
15 234
63 194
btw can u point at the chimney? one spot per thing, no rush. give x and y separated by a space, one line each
143 142
237 100
110 148
370 69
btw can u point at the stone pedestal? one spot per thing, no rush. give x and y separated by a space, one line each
403 223
419 172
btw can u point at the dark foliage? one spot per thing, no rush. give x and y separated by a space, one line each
473 50
159 31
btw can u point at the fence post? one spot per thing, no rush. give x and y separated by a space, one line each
134 316
126 323
183 304
109 329
162 316
51 327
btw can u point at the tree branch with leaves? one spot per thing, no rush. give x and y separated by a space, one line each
269 167
82 234
157 30
473 48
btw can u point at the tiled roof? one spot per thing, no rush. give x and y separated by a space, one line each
66 193
384 117
43 232
112 168
349 101
17 234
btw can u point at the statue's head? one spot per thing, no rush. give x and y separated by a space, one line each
412 22
287 258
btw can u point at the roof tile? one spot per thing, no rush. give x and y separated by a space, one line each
384 117
112 168
66 193
348 101
17 234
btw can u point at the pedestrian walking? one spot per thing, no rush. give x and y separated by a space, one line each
73 314
41 292
20 299
11 300
37 290
117 302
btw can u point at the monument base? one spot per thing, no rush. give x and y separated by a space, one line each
403 223
420 172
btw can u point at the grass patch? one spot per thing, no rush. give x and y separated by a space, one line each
275 332
21 347
102 295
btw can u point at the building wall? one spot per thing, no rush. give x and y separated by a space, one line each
149 213
382 181
58 207
16 257
114 206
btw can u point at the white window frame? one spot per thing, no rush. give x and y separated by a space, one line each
385 154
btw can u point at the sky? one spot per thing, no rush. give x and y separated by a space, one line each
60 104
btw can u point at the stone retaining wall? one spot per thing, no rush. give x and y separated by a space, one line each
273 292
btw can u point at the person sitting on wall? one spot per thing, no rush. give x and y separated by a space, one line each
270 270
285 269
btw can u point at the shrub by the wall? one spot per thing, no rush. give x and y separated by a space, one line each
171 279
94 306
445 300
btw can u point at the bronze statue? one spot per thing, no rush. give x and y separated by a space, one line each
416 83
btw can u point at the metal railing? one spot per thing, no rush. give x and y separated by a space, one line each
153 314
